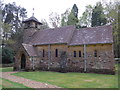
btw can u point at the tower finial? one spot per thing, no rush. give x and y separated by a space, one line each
33 12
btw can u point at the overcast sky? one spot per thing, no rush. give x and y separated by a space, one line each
42 8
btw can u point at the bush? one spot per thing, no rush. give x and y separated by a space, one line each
0 55
7 55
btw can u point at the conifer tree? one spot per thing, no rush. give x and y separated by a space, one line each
73 16
98 16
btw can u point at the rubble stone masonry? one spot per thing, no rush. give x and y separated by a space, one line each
103 62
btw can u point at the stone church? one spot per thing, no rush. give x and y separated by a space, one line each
66 49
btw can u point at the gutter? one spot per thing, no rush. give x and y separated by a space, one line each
49 55
85 58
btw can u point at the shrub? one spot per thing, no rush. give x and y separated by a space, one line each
7 55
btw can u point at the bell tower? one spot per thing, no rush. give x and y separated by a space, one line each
31 22
30 25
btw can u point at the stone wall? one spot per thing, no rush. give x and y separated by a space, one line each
17 64
103 63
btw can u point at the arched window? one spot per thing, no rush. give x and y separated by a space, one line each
95 53
35 25
79 53
43 53
56 53
74 53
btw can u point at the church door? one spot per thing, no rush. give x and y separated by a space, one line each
23 61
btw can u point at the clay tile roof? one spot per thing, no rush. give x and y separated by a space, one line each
93 35
32 19
71 36
53 36
29 49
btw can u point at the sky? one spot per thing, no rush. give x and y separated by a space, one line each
42 8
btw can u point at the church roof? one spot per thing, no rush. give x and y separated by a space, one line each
32 19
72 36
53 36
29 49
92 35
69 35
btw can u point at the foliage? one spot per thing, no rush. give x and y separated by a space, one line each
0 55
6 32
64 18
45 24
75 10
72 80
17 37
72 20
63 23
13 15
72 17
7 55
112 10
85 19
98 16
12 31
54 19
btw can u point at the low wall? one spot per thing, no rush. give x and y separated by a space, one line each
104 63
69 66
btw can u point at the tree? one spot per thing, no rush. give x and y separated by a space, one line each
0 55
72 20
64 18
12 17
75 10
7 55
6 27
11 29
17 40
85 19
112 10
45 24
72 17
98 16
63 23
1 31
54 19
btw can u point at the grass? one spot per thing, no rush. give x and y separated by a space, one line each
4 83
72 80
9 84
6 69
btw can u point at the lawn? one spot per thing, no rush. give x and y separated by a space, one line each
72 80
9 84
4 83
6 69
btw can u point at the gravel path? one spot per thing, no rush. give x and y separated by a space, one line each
26 82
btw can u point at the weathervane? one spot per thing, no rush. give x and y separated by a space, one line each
33 12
